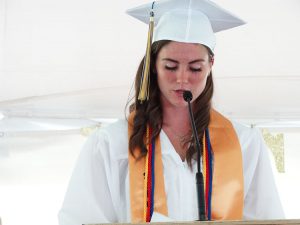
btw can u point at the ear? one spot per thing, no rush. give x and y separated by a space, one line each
212 60
211 63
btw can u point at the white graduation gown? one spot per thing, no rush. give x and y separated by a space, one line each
98 191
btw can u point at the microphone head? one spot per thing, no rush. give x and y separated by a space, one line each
187 96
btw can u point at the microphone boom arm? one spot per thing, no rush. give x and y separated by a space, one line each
187 95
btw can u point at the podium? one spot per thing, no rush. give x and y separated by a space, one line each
227 222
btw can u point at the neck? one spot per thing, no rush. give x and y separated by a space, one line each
177 118
176 124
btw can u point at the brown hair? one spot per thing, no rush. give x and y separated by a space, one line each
150 112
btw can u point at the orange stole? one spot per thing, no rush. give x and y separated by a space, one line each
228 182
136 182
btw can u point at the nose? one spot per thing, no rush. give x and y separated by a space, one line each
182 76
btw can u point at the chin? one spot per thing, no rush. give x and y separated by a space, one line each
180 103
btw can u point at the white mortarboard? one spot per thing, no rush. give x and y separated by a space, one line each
189 21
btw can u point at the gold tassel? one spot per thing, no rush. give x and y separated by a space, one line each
145 79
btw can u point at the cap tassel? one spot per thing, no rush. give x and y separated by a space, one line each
145 80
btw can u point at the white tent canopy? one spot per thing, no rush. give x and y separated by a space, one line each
77 59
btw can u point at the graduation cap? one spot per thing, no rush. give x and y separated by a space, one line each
189 21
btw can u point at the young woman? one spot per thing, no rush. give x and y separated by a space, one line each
145 166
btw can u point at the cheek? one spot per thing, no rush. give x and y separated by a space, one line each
199 84
165 77
199 79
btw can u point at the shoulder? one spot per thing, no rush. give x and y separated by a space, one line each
120 126
111 139
250 138
246 133
251 141
243 131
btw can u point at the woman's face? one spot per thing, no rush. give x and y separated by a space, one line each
182 66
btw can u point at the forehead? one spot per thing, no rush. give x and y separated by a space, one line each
183 51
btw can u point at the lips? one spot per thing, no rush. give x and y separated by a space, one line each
179 92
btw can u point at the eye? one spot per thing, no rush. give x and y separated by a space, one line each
171 68
196 69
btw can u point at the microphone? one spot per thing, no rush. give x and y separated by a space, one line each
188 96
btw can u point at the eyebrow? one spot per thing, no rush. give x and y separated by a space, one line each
175 61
